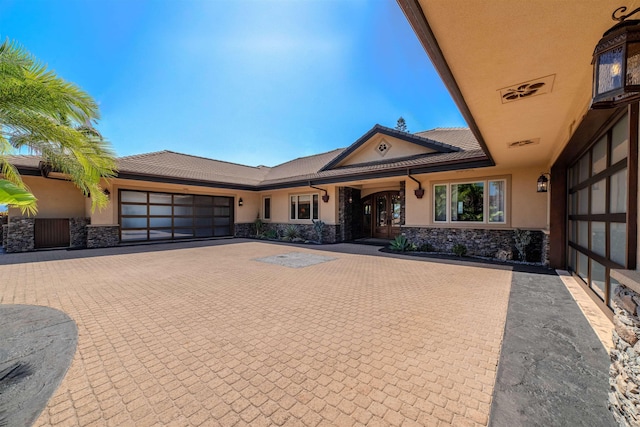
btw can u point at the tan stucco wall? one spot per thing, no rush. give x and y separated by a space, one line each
526 208
56 199
280 204
368 152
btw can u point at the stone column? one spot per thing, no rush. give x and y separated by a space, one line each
403 201
78 232
20 235
624 374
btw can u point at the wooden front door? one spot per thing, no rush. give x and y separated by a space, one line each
384 214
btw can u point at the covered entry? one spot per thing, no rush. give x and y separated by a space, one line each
163 216
382 215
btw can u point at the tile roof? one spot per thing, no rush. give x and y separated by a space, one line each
460 143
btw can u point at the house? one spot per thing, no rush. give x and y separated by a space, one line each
522 74
438 187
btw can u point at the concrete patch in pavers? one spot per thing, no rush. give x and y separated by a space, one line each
295 259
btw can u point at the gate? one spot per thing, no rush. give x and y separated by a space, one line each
51 233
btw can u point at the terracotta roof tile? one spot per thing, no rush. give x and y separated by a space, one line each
170 164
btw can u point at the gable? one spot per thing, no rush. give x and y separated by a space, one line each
384 145
383 148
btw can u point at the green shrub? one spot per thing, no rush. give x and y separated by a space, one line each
401 244
258 225
291 232
522 238
270 234
459 249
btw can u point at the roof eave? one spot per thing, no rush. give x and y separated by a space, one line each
414 14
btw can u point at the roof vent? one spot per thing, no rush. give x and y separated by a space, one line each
523 143
383 147
527 89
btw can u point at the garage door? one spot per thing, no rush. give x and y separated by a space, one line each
164 216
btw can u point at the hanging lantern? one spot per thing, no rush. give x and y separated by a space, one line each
616 63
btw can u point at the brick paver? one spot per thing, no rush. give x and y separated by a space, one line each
207 336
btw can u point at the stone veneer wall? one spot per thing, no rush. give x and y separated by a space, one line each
103 236
624 374
245 229
78 232
20 235
330 233
5 231
479 242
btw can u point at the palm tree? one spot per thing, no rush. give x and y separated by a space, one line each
47 116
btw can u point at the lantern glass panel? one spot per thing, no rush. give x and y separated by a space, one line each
633 64
609 69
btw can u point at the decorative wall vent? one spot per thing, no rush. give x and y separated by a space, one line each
383 147
527 89
523 143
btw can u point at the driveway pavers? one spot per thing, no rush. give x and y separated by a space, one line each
205 335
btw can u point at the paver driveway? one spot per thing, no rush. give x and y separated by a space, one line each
209 336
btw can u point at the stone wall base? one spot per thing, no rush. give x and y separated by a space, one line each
20 235
624 374
103 236
490 243
330 233
78 232
5 231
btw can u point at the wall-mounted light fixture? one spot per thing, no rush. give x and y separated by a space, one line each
240 202
616 63
325 196
106 192
419 192
543 182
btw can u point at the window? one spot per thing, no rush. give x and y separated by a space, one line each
266 208
471 202
304 207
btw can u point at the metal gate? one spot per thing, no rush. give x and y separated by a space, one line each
51 233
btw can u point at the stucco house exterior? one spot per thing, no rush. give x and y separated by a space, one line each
437 187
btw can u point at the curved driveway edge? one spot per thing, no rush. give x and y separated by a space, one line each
37 345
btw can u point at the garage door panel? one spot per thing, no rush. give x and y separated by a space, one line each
164 216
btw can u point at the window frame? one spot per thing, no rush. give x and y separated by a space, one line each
264 210
486 182
293 212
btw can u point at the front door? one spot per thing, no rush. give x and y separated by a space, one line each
386 214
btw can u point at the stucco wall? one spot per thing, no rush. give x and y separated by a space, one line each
280 204
526 208
56 199
398 148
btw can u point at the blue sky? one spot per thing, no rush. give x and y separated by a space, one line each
252 82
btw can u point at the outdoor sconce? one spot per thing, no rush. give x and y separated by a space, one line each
616 63
419 192
325 196
106 192
240 202
543 183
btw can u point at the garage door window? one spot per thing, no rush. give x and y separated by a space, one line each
163 216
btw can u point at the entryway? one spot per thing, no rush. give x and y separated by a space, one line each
381 215
51 233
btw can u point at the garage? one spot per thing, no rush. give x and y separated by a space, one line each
147 216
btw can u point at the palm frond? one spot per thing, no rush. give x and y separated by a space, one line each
14 196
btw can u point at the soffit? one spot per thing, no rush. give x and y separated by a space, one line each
496 45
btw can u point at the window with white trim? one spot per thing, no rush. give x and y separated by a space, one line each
482 202
304 206
266 208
